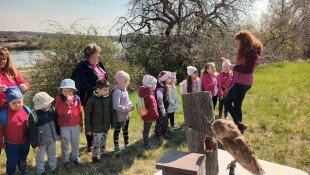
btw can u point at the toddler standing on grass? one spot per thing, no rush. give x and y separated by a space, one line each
69 110
44 131
173 100
99 117
123 107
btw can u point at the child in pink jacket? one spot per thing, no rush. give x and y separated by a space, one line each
209 81
224 80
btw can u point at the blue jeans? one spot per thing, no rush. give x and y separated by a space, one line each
16 155
233 101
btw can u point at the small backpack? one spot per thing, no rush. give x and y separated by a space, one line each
141 106
4 118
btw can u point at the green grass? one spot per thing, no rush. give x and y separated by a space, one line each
276 110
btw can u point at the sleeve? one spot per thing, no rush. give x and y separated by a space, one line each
117 102
88 114
219 84
2 145
81 79
206 85
61 107
20 80
199 85
56 122
160 101
80 112
113 117
183 87
151 106
33 130
250 60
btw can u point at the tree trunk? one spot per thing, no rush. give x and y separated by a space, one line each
198 114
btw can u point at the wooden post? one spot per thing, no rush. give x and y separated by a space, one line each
198 115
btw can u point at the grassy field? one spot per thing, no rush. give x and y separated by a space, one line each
276 110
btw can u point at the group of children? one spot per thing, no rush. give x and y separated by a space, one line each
217 83
107 108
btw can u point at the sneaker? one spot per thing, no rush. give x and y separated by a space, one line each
106 156
150 146
95 160
175 127
127 146
117 150
242 127
43 173
89 149
66 165
78 162
167 136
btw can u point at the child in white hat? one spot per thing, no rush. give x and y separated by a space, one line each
192 83
173 101
69 110
44 131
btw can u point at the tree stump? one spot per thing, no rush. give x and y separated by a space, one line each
198 115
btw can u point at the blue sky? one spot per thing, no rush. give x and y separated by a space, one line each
28 15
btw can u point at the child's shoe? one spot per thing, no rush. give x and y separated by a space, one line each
55 171
167 136
150 146
117 150
174 127
66 165
127 146
43 173
78 162
95 160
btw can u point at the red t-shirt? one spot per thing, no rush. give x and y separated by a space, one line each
16 130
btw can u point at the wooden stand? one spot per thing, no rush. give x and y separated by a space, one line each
198 114
181 163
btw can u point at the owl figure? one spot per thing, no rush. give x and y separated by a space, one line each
235 143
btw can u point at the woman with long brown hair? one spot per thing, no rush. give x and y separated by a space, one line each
9 75
243 74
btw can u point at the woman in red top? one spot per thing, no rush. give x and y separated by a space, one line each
9 76
243 74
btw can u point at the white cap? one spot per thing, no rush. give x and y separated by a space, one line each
191 70
149 81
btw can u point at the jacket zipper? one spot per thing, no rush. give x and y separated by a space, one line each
50 127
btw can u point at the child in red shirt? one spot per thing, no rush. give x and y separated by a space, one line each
69 110
16 141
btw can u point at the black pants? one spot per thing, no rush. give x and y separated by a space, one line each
221 106
146 131
89 139
214 99
161 126
234 99
171 117
124 126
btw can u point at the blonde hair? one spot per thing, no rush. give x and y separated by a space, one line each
247 41
206 67
9 67
91 49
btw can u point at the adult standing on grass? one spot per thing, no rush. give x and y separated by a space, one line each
87 72
243 74
9 76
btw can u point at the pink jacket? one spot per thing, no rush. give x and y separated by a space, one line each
207 84
5 80
224 83
244 69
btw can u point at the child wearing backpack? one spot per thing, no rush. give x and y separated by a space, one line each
162 97
44 131
173 100
13 131
99 117
69 110
123 107
147 93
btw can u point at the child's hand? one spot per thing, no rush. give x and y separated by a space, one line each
221 97
69 99
3 88
164 114
89 133
23 87
36 150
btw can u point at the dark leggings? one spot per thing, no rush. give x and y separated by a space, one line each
234 99
89 139
161 126
124 126
171 117
214 99
221 106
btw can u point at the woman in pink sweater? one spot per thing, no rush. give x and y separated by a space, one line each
243 74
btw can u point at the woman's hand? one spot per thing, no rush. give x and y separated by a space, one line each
23 87
3 88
